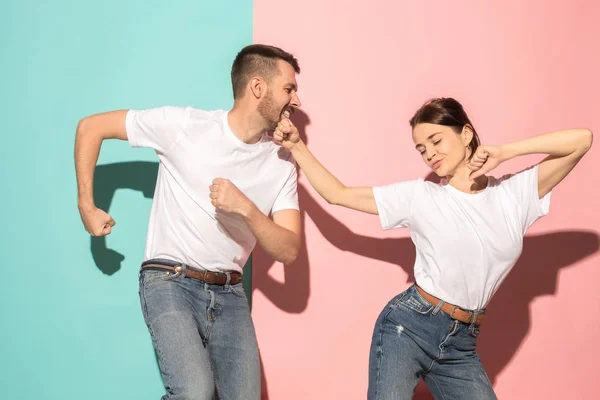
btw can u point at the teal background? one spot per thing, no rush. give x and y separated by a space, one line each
70 330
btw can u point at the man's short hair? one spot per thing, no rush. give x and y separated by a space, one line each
257 59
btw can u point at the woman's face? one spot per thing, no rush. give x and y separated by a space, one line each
442 149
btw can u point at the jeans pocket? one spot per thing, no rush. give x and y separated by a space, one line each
238 290
414 301
151 276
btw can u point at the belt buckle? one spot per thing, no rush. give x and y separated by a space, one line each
471 314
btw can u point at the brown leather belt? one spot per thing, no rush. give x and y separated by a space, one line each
213 278
453 311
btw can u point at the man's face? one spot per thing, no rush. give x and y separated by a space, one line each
281 98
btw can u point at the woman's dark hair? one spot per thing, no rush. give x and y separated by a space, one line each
448 112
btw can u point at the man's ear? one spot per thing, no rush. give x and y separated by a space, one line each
258 87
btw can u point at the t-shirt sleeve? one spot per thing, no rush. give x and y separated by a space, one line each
156 128
394 203
288 195
524 187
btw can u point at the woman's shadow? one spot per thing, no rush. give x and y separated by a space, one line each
509 317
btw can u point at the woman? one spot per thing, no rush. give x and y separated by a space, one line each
468 232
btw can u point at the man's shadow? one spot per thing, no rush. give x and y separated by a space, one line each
135 175
108 178
509 317
141 176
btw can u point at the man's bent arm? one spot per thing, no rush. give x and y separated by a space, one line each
279 237
91 131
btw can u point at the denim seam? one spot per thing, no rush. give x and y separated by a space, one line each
209 312
380 350
154 341
441 353
217 389
437 386
143 300
379 361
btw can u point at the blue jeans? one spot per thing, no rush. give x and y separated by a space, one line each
203 336
413 339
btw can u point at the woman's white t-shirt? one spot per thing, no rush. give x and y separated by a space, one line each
466 244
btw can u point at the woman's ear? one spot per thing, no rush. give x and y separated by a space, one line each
467 133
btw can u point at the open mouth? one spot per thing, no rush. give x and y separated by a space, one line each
287 112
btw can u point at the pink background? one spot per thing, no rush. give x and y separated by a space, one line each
520 69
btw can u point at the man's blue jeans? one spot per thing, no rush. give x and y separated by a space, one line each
413 339
203 336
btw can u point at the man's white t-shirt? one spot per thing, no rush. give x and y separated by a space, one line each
466 244
194 147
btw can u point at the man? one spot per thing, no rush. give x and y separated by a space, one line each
219 178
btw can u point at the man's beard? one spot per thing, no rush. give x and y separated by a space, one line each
269 112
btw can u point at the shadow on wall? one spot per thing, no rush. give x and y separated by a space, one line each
136 175
141 176
509 317
108 178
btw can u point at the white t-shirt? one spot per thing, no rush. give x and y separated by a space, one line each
465 243
194 147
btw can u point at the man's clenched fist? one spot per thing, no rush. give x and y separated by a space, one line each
96 221
227 197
